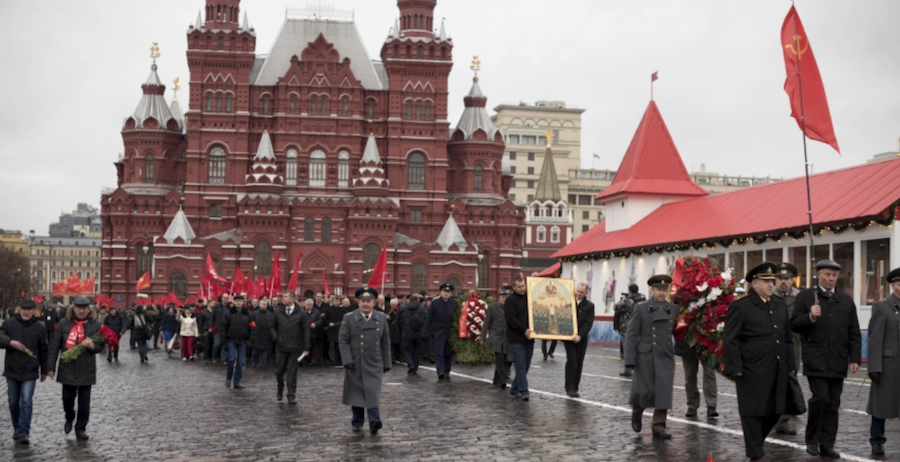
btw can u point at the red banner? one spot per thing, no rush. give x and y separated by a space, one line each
275 280
292 282
143 282
211 270
379 272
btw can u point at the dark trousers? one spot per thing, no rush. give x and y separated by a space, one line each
208 347
286 361
692 363
756 429
521 353
658 423
442 362
428 350
69 394
131 340
318 349
334 352
544 349
501 369
155 329
877 431
412 347
574 362
822 423
397 352
359 417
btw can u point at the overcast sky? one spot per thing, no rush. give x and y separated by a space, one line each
70 72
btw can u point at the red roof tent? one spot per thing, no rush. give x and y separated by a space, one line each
652 165
840 197
550 272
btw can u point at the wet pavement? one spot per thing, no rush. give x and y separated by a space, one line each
174 411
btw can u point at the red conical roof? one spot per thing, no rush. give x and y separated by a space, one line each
652 165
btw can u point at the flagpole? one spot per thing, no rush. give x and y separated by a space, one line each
809 213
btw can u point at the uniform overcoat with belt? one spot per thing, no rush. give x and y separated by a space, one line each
884 357
367 346
648 347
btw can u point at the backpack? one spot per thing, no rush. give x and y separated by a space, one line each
417 320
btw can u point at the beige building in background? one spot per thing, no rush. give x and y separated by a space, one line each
524 126
56 258
14 240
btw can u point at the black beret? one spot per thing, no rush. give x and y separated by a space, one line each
764 270
27 304
366 293
659 280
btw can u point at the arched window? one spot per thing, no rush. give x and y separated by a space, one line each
262 259
370 110
148 168
541 234
417 171
144 259
317 169
218 103
293 104
290 170
178 284
227 103
313 105
343 169
419 281
265 108
479 174
326 229
221 43
457 286
371 252
409 109
217 166
419 53
554 234
209 102
427 111
345 106
324 106
484 263
309 229
419 110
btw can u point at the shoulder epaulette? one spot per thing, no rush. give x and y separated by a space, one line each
743 295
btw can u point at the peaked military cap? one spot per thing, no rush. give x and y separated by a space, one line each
366 294
827 264
82 301
446 286
660 280
765 271
893 276
27 304
786 270
504 291
238 297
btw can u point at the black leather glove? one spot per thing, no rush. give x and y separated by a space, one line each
875 376
348 366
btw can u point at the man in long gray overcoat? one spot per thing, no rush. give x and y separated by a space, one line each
884 362
365 346
494 329
649 351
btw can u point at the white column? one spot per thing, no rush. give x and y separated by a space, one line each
895 245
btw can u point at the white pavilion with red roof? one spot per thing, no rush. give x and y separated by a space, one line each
655 214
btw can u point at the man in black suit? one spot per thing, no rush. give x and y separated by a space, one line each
577 347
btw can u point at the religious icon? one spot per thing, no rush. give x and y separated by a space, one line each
551 308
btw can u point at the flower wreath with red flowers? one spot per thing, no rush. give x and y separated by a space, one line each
703 295
475 310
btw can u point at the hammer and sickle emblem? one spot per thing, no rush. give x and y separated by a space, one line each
799 50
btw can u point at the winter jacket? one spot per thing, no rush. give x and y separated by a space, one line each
314 318
32 334
236 325
83 370
188 325
203 321
261 336
291 332
406 318
170 322
116 323
144 331
516 313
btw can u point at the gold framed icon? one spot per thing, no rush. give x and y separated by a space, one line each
552 313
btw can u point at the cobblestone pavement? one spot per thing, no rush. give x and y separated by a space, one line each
174 411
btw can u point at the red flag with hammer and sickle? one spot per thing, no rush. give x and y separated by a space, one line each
803 72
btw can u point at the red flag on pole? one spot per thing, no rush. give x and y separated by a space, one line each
39 298
172 298
325 285
275 280
143 282
654 77
87 286
211 271
379 272
240 282
292 282
803 85
73 285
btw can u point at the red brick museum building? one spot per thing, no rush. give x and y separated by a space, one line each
314 147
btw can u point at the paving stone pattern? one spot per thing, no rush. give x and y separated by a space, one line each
168 410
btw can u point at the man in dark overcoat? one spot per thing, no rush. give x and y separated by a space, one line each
290 326
829 330
333 318
577 347
884 362
365 346
439 322
758 354
784 289
494 329
650 353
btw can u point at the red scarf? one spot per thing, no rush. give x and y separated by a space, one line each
76 335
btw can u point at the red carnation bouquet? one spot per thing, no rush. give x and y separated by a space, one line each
703 295
104 335
253 324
